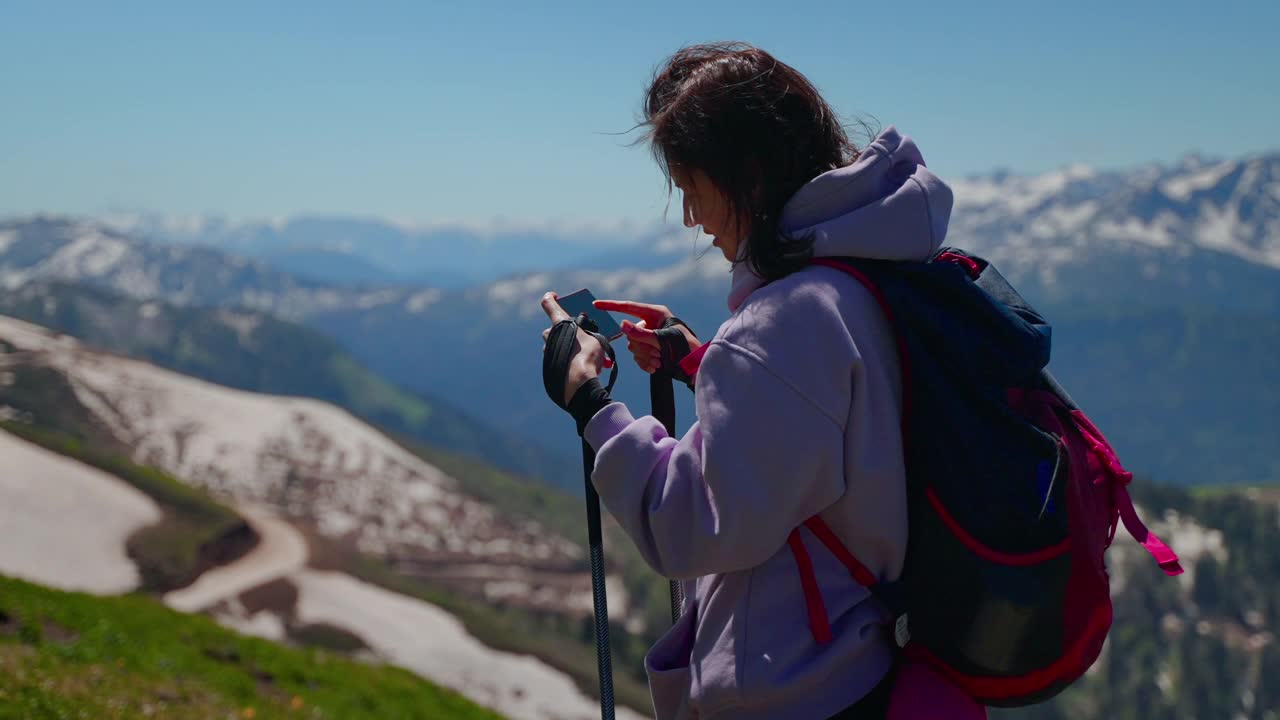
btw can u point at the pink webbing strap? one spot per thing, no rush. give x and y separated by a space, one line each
1163 554
693 360
818 623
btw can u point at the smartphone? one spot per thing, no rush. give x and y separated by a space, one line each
581 302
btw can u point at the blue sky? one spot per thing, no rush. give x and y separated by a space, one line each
426 111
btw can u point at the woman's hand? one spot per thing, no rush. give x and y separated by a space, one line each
589 356
642 341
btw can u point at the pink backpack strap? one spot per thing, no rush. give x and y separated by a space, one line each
691 362
1120 479
1162 553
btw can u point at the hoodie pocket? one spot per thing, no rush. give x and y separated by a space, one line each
667 664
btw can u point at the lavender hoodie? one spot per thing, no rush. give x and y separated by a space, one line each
798 401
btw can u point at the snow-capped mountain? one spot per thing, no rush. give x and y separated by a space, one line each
1230 206
1201 226
367 251
45 248
1211 229
1200 237
1044 221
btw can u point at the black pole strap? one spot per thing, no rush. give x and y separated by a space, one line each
673 346
663 401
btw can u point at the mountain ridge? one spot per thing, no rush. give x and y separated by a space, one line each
1192 237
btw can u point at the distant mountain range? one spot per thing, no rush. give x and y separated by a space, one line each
360 252
1200 233
1163 284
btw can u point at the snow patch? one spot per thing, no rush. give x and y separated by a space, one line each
244 324
520 290
263 624
13 279
422 300
7 238
372 300
1155 234
65 523
1218 228
1183 187
91 254
1063 219
1016 194
438 647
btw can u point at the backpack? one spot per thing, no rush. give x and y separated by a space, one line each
1013 494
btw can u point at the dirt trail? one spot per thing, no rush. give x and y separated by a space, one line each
281 551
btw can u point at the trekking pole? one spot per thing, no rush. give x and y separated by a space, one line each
595 544
662 401
561 344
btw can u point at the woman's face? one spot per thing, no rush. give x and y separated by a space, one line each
705 205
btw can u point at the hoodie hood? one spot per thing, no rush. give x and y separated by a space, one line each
886 205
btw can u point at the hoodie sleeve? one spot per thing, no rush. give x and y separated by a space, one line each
761 459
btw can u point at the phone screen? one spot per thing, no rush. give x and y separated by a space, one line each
580 302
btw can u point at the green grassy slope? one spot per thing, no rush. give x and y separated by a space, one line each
70 655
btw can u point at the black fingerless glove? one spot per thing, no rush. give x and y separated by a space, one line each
592 396
674 346
587 401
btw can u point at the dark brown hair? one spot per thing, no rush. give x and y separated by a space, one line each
758 129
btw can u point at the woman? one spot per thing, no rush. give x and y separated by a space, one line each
798 395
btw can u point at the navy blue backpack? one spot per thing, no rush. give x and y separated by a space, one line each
1013 494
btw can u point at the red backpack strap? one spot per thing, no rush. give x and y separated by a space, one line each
818 622
819 625
822 531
